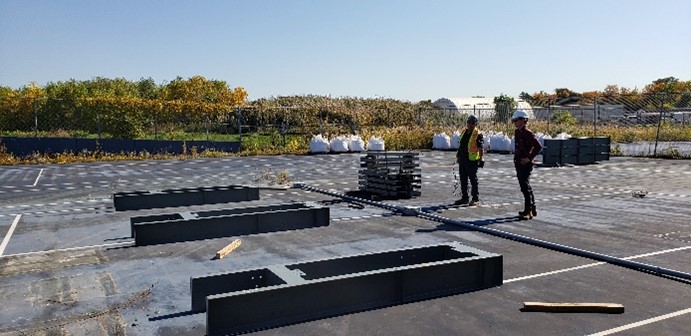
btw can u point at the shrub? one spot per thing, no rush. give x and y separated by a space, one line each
564 118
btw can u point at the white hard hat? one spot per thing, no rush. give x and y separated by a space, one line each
520 114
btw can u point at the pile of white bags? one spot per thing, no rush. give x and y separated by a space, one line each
343 144
496 142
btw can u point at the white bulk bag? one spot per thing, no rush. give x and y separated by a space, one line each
499 142
441 141
356 144
563 135
319 145
375 144
339 144
455 139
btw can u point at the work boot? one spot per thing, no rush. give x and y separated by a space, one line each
533 211
525 214
463 200
475 201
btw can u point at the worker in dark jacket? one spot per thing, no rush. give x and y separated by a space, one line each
469 158
527 147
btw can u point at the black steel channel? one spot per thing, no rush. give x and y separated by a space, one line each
652 269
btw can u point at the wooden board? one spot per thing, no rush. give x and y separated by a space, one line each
572 307
229 248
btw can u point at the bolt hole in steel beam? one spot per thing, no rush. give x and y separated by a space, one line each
283 294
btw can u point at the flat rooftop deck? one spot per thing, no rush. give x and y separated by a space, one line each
68 264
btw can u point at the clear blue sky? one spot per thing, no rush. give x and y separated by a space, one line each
402 49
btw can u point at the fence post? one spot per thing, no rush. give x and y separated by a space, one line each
321 122
156 124
549 116
659 122
238 116
206 126
98 122
595 117
35 120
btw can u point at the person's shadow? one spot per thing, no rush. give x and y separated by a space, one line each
480 222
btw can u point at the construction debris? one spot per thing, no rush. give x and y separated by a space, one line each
639 193
226 250
606 308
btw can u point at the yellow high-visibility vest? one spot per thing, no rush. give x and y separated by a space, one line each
473 149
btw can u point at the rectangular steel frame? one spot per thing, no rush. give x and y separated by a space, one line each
137 200
187 215
187 226
277 295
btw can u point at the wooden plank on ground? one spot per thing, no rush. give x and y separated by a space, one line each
224 251
573 307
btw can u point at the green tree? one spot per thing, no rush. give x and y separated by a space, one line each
564 118
147 89
503 108
663 85
199 89
106 87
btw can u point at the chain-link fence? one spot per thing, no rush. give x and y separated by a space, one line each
46 117
638 124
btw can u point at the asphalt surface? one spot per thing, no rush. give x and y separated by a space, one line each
68 265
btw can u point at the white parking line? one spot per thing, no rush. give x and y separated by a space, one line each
595 264
553 272
38 177
644 322
109 245
9 234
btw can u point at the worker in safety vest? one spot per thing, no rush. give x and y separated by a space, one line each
469 158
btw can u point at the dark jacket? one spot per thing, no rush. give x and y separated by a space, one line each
527 145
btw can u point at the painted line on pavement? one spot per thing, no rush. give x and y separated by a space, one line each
38 177
120 244
641 323
9 234
595 264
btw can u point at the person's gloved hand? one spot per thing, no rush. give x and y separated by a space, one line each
481 164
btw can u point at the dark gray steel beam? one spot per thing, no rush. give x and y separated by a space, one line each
212 213
652 269
277 295
179 230
136 200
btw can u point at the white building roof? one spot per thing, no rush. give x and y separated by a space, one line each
470 104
